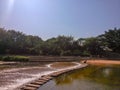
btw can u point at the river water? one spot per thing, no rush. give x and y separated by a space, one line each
89 78
14 75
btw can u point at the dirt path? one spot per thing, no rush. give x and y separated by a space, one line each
105 62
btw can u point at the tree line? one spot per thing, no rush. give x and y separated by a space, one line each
15 42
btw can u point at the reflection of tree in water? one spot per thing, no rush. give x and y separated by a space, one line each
103 75
74 75
63 79
107 75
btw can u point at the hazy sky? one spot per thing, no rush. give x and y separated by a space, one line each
50 18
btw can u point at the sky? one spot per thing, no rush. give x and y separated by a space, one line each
50 18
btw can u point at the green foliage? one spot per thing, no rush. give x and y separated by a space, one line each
86 54
66 53
112 39
14 58
15 42
93 46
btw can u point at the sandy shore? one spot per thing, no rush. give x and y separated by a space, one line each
103 62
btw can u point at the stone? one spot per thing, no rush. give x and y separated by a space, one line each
33 85
28 88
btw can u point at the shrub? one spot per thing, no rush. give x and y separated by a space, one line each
14 58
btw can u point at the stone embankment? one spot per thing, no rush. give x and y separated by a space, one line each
34 85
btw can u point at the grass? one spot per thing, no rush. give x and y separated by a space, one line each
14 58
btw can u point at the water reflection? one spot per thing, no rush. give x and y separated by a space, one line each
106 72
75 75
90 78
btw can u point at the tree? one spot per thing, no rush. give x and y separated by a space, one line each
112 39
15 42
33 44
52 47
3 41
93 46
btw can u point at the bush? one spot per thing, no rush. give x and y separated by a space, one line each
77 52
66 53
86 54
14 58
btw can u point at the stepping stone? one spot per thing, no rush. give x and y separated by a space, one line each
36 83
55 74
28 88
46 76
33 85
46 79
41 82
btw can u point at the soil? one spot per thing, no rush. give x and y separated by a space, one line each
105 62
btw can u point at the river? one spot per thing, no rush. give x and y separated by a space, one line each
89 78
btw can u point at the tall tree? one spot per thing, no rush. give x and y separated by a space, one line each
93 46
3 41
112 39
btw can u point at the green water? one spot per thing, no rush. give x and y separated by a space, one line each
89 78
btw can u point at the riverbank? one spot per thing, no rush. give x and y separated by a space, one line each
103 62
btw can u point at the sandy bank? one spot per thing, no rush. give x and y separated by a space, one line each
105 62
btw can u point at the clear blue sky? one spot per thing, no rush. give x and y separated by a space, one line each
50 18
